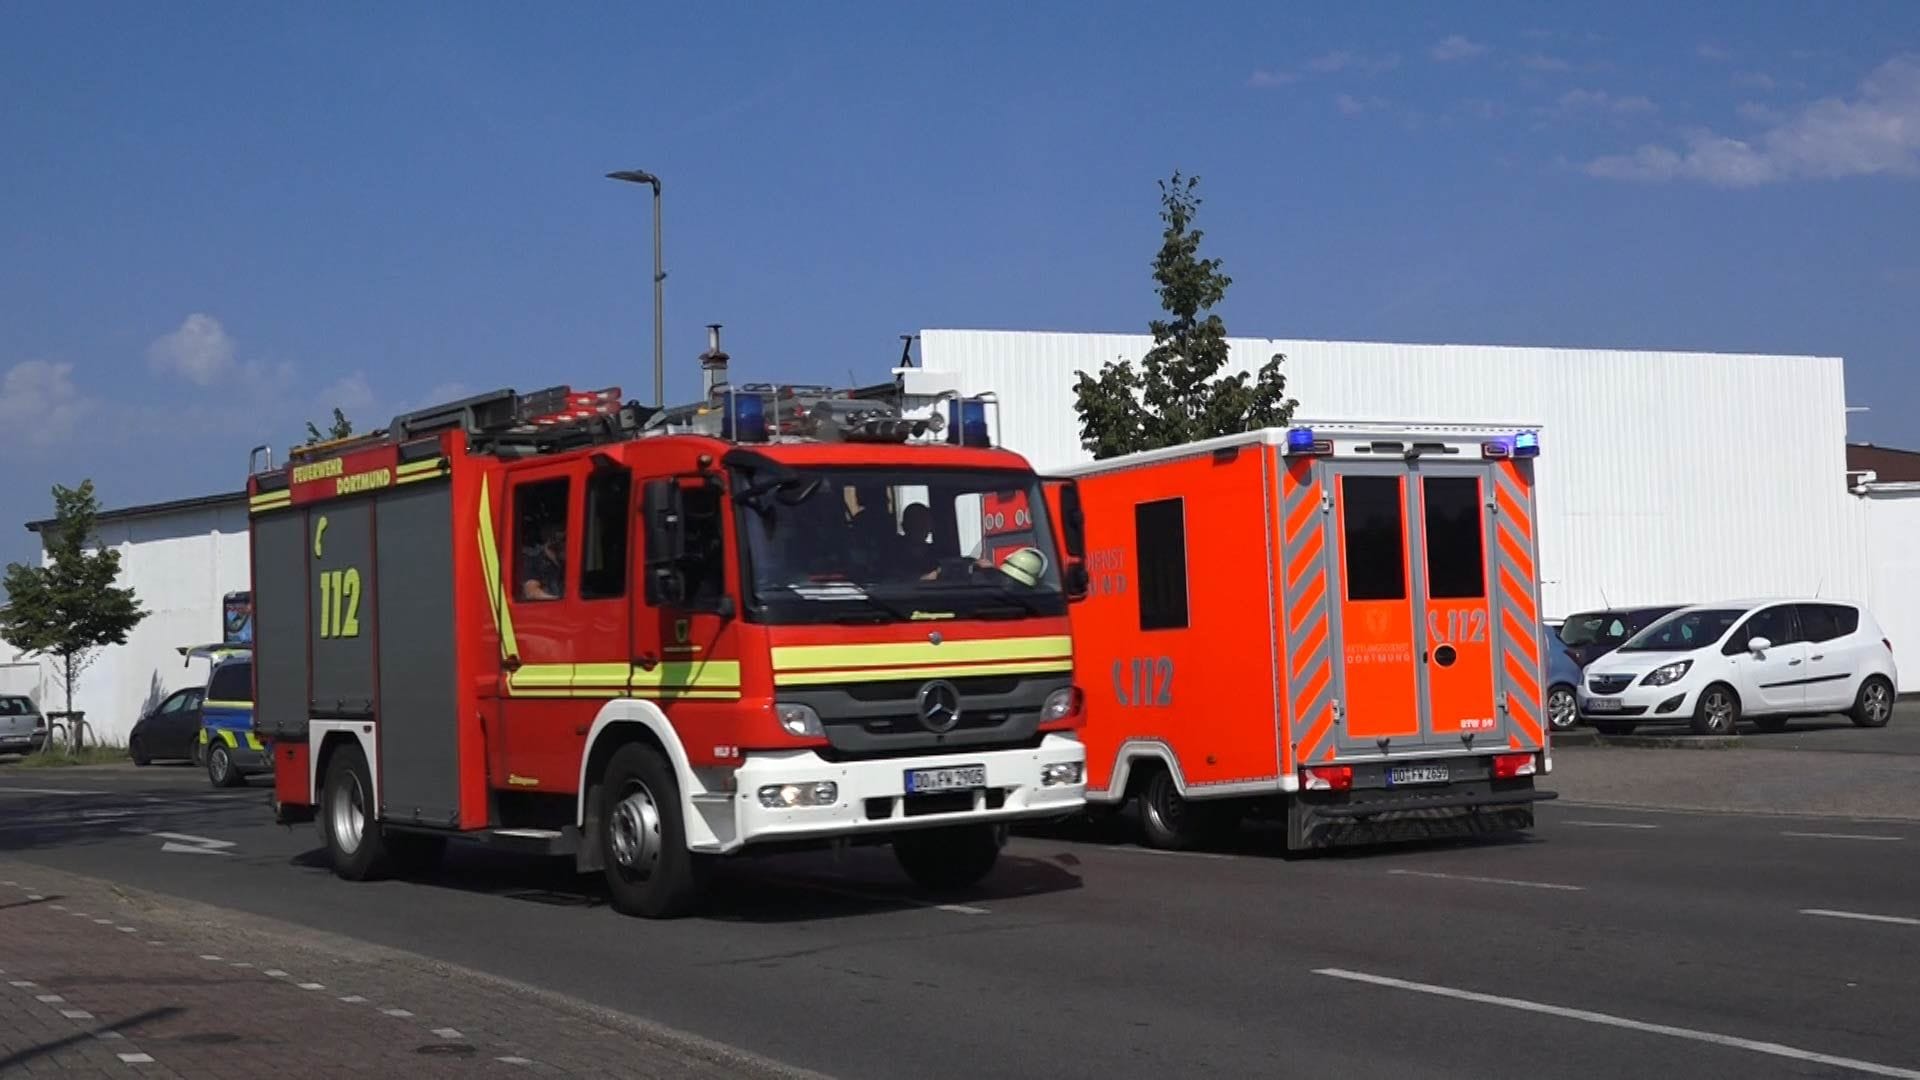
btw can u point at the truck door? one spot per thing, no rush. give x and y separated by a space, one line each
1455 627
1378 678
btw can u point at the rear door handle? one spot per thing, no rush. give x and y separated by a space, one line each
1793 663
1822 656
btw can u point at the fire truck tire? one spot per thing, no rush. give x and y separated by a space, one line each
1170 821
949 859
220 768
643 838
356 845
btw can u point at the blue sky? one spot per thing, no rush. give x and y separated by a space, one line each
219 220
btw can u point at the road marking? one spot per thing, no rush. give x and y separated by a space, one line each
312 986
241 964
35 896
448 1033
1838 836
193 845
354 999
23 984
1610 824
103 922
275 973
1732 1041
209 956
108 1036
126 929
963 909
881 898
46 791
137 1059
514 1061
1176 854
1860 916
76 1014
1490 880
399 1014
51 999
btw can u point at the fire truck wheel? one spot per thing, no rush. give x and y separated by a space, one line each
951 858
355 842
221 769
1170 821
643 841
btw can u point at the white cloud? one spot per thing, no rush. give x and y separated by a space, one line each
39 404
1877 132
1482 108
1342 60
1353 106
1708 51
1754 80
1457 47
199 351
1576 101
1265 79
1544 62
350 394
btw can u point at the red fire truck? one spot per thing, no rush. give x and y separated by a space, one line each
1336 623
646 638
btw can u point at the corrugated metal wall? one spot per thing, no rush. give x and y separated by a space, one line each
1890 519
1665 477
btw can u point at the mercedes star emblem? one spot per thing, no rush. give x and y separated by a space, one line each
939 706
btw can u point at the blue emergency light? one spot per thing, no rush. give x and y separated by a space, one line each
1526 444
745 419
967 423
1299 440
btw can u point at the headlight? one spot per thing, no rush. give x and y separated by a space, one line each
800 720
787 796
1061 772
1669 674
1061 704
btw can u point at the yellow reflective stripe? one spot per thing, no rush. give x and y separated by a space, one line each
226 704
273 500
203 736
541 677
431 465
611 692
671 676
863 675
253 742
796 657
227 737
601 675
490 569
688 675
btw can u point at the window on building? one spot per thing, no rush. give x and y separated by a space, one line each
603 556
1160 539
1373 518
540 540
1456 557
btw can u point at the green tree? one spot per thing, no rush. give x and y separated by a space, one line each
69 608
1177 394
339 429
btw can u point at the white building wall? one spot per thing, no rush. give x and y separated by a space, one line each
179 565
1890 517
1664 477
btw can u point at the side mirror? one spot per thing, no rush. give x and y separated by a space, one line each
1758 646
665 523
1076 580
1073 522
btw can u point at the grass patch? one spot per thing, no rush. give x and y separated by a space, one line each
59 758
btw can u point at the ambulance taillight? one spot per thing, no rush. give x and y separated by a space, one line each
1513 766
1327 778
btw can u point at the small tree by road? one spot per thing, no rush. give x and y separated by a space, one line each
1177 394
69 608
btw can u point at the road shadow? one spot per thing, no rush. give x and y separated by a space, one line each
1266 837
21 1057
42 821
795 887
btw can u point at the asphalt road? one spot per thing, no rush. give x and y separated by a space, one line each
1610 943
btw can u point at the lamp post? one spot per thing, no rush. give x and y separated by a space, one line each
636 176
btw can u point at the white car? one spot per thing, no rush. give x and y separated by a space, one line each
1769 661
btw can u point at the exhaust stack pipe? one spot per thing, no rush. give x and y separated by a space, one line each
713 362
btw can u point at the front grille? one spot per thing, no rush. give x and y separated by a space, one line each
1609 684
881 719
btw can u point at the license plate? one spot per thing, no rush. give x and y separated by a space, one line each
1603 704
1417 774
954 778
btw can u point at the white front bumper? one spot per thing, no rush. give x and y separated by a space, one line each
871 794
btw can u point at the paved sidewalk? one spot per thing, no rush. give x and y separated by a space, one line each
1810 783
98 980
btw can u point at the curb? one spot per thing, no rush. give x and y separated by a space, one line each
1648 742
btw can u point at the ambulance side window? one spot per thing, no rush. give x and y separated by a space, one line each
603 558
1160 539
1371 513
540 541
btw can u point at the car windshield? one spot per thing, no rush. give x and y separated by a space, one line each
1684 632
867 545
1591 627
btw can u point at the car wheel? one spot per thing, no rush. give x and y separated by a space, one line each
1561 711
221 769
1717 712
137 749
1873 706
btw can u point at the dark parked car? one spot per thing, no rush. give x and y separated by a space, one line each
1563 678
170 730
1591 635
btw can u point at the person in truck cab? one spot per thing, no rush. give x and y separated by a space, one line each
543 569
918 557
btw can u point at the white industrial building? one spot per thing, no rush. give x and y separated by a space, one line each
1663 477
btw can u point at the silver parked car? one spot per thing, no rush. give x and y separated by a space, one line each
22 728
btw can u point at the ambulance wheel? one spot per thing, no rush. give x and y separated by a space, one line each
1172 822
949 859
356 845
221 769
643 839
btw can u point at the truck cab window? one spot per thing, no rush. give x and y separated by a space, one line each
540 540
603 560
706 565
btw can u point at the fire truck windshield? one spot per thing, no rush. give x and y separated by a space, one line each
836 545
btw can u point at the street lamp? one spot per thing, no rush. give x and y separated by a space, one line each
636 176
